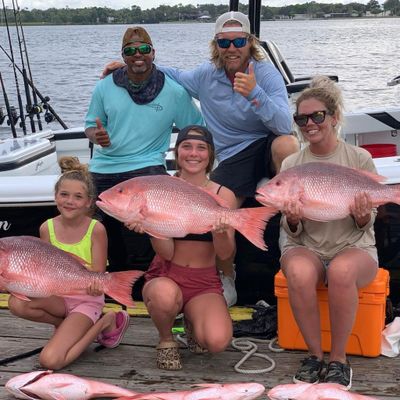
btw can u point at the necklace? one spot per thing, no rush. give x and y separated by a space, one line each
205 183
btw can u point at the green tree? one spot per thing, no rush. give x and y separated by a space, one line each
393 6
373 7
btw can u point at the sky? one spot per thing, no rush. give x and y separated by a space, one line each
145 4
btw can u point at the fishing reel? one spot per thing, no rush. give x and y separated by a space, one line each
13 117
48 116
2 116
34 109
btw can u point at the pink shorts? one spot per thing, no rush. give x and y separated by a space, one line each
192 281
91 306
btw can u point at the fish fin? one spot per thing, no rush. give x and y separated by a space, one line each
372 175
80 260
119 287
155 234
21 296
251 223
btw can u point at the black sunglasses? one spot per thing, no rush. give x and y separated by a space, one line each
131 50
238 42
318 117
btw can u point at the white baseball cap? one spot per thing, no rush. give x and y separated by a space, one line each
232 16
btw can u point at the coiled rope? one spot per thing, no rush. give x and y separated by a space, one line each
247 345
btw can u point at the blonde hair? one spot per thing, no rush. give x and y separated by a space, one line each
72 169
256 51
327 92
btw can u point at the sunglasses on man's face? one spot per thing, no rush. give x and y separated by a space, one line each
238 42
318 117
142 49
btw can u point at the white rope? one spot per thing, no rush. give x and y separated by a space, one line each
247 345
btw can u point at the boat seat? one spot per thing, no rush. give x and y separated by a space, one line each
293 84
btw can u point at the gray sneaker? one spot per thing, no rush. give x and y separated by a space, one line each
339 373
309 371
228 284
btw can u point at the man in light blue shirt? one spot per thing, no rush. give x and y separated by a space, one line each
245 105
130 117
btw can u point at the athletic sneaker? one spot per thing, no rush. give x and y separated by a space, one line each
228 284
309 371
339 373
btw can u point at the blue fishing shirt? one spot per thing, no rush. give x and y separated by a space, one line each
140 134
236 121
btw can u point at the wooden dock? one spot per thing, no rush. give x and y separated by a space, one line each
132 364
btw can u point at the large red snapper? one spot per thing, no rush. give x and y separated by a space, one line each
325 190
208 391
30 267
172 207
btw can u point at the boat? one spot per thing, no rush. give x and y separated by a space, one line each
29 169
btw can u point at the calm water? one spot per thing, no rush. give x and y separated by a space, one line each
66 61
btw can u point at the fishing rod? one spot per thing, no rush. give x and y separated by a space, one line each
44 99
21 108
8 108
36 109
24 75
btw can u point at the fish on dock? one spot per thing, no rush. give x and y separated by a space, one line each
169 207
309 391
33 268
208 391
48 386
325 190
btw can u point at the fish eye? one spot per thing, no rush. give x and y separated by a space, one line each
278 183
120 190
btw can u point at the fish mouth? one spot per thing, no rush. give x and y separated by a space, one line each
111 210
20 391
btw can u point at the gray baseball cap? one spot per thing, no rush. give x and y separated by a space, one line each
232 16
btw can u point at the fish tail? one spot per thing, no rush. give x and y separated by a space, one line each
251 223
119 286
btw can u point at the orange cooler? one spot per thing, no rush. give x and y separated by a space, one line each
365 338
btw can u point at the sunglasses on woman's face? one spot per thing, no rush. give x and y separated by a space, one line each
131 50
318 117
238 42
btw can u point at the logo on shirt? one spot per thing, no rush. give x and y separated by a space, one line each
156 107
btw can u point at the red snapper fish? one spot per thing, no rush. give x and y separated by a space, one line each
170 207
325 190
48 386
308 391
226 391
30 267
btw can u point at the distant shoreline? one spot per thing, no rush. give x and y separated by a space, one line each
2 24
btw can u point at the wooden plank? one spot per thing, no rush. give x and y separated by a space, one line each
132 364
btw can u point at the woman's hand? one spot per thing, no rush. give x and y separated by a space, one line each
135 225
293 213
136 222
361 209
94 289
221 224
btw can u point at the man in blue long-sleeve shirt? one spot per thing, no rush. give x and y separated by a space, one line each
245 105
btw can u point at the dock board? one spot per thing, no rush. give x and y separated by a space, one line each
132 364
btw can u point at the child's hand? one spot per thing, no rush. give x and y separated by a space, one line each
94 289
